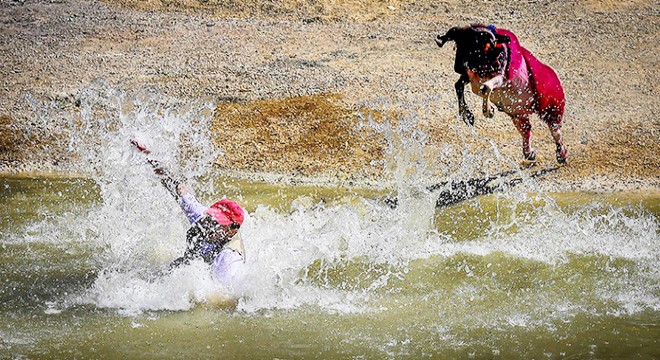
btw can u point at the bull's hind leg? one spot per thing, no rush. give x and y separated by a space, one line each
555 130
463 110
525 129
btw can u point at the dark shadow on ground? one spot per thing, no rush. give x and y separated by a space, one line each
452 192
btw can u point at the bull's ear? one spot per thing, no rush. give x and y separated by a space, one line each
503 39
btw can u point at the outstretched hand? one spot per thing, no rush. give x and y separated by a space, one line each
158 169
140 146
169 182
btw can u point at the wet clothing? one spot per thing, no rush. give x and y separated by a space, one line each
191 207
226 265
225 259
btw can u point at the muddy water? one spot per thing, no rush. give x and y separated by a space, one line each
332 273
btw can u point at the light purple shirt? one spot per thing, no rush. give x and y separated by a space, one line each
191 207
226 266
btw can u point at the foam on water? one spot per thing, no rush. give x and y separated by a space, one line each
281 246
550 234
133 293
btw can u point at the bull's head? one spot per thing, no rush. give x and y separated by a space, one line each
488 54
478 47
473 36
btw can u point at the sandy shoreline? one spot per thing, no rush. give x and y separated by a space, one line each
297 77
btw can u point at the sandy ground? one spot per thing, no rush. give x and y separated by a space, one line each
296 81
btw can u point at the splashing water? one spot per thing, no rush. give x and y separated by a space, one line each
141 228
510 263
137 226
336 256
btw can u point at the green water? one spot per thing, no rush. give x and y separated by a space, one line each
517 276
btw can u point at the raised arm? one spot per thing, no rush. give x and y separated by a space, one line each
169 182
186 199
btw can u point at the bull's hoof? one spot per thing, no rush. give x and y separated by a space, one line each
468 117
489 111
561 160
525 164
531 156
529 160
561 157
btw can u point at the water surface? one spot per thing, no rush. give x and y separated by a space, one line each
333 273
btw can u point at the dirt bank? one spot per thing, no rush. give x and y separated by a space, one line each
294 80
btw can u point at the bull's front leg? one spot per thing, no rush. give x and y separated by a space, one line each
463 110
487 109
485 91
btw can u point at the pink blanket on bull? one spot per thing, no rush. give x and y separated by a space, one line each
548 91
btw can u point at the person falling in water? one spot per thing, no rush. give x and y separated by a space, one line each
213 234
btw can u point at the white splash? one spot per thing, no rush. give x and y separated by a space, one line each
138 229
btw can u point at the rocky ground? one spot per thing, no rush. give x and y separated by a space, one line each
296 81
